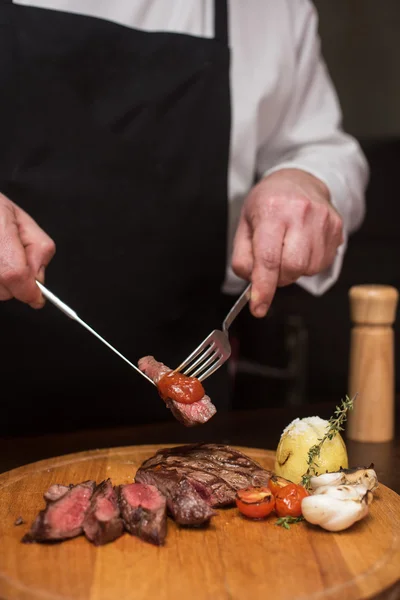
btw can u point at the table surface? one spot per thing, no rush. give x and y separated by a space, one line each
254 428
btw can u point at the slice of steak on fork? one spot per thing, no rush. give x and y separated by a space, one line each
103 523
144 512
189 414
64 516
213 471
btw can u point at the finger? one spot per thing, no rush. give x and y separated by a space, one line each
296 256
242 258
267 252
324 247
39 246
15 274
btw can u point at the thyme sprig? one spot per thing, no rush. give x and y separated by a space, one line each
336 423
287 521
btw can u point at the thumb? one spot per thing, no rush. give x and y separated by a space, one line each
39 247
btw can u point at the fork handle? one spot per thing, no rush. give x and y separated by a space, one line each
236 308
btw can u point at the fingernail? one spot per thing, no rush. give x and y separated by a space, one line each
261 310
41 273
37 305
255 297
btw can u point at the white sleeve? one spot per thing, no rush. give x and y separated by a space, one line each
309 137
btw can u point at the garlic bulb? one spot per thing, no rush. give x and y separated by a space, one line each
337 508
359 475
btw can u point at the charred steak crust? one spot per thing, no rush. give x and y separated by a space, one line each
188 414
103 523
185 504
144 512
214 471
63 516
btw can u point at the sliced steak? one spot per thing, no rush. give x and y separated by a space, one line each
103 522
62 518
144 512
188 414
185 504
214 471
55 492
187 507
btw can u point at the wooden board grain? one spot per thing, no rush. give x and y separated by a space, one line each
232 559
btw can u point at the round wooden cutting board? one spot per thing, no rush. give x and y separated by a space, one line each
233 558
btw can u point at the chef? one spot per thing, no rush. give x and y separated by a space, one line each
170 150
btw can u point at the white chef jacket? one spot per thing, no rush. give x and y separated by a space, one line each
285 112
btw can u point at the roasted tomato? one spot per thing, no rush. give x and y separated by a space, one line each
288 500
180 388
276 483
255 502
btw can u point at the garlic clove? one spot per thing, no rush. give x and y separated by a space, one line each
326 479
336 508
343 492
359 475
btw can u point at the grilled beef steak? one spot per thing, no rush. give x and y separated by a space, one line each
144 512
188 414
185 504
63 517
206 474
103 522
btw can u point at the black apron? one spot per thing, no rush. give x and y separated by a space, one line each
116 141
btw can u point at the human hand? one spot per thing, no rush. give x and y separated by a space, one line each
25 252
287 228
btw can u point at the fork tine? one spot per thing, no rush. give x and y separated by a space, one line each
216 356
193 355
201 358
212 369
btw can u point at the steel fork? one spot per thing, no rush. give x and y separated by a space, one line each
211 354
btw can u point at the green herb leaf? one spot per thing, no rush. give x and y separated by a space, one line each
335 425
287 521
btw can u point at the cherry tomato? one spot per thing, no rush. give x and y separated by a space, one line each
288 500
180 388
276 483
255 502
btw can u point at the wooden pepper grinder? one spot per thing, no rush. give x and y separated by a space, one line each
373 312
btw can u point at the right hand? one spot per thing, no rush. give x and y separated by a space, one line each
25 252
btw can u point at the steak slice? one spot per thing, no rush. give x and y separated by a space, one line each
63 517
103 522
188 414
144 512
185 504
55 491
214 471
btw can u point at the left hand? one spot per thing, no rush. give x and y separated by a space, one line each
288 228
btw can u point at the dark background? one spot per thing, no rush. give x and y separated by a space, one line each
300 351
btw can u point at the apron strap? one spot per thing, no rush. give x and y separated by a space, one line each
221 24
